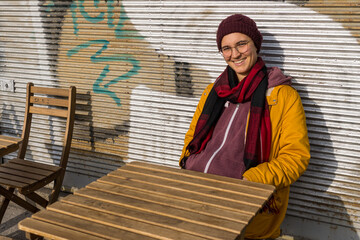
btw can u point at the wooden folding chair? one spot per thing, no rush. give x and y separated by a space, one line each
28 176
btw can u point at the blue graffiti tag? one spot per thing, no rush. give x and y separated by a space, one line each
96 58
99 86
119 32
49 6
96 19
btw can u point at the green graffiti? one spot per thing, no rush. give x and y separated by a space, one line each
98 86
49 6
110 13
119 32
96 19
74 17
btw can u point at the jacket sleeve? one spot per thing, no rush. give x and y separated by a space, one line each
190 133
290 151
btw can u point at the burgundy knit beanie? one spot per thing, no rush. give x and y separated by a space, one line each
242 24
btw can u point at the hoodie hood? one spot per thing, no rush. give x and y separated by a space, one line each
276 77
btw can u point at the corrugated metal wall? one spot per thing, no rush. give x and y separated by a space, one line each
140 67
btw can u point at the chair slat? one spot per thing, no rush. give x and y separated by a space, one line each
50 91
12 183
27 169
49 111
37 165
16 178
16 172
49 101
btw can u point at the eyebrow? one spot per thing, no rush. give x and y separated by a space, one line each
241 41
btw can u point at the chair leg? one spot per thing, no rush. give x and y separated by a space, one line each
37 199
56 189
9 194
5 204
31 236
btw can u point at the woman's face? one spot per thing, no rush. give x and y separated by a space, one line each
240 61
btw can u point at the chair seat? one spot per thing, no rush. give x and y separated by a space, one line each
27 175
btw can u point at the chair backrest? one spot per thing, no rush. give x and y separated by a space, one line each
52 102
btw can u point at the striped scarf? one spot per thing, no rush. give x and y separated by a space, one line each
227 88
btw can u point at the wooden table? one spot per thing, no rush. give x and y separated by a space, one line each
147 201
8 144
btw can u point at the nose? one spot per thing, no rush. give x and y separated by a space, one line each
235 53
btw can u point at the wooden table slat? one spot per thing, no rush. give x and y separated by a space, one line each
10 139
8 144
203 182
169 228
200 175
160 209
4 143
215 193
196 207
186 195
52 231
88 227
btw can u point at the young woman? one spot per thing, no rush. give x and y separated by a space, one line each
249 124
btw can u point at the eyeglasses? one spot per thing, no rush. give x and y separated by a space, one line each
241 47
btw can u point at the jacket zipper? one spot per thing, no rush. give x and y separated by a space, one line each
224 140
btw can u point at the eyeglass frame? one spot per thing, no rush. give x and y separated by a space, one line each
243 43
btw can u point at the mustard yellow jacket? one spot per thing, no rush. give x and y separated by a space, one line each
289 156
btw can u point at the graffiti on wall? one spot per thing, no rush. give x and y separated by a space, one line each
97 48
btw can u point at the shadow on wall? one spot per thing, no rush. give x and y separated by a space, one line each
313 198
85 131
52 17
183 79
90 138
311 203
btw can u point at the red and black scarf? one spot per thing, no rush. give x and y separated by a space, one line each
227 88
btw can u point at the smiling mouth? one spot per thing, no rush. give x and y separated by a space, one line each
239 61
